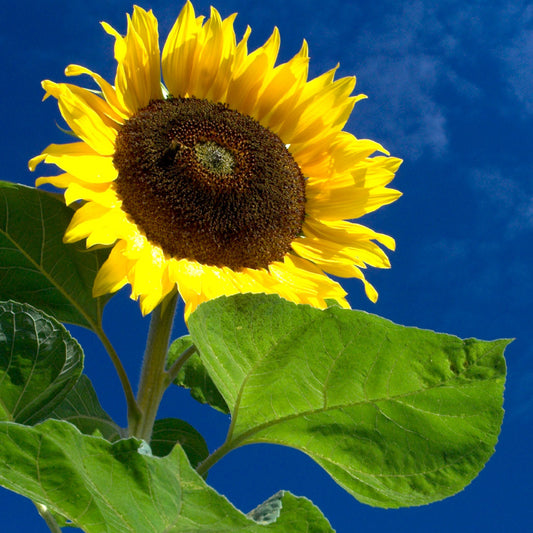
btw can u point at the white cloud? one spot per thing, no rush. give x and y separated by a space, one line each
402 109
422 62
400 73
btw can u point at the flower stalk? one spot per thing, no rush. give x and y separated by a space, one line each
153 382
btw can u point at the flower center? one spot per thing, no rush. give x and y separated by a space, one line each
208 184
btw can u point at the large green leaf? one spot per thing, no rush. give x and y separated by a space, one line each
111 487
169 431
39 363
398 416
37 267
194 376
82 408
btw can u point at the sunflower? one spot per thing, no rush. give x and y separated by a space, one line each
233 175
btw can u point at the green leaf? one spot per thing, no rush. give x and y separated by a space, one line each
82 408
111 487
398 416
194 376
39 363
37 267
169 431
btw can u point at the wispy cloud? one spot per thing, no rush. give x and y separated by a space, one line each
402 75
402 106
421 61
518 60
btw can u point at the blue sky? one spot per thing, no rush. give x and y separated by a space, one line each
449 86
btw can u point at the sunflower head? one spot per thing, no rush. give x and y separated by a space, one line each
211 169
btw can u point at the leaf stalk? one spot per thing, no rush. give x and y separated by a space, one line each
48 517
173 371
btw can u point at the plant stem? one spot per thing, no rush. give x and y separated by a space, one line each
153 383
210 460
173 371
133 409
47 516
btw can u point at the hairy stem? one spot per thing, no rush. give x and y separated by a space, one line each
133 409
153 375
173 371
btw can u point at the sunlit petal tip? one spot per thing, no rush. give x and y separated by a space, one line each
393 163
148 302
271 46
103 286
75 70
186 14
51 89
387 241
371 292
275 39
71 236
57 181
34 161
215 15
110 30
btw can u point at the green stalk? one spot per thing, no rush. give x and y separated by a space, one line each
153 375
48 517
173 371
133 410
209 461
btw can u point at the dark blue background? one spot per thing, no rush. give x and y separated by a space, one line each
449 86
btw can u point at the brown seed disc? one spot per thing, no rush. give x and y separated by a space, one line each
209 184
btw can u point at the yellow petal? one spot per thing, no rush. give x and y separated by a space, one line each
248 77
345 233
75 190
320 113
349 202
210 47
79 160
112 274
86 114
302 282
352 194
61 182
345 154
146 276
283 83
138 78
103 195
100 225
108 91
228 56
180 51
